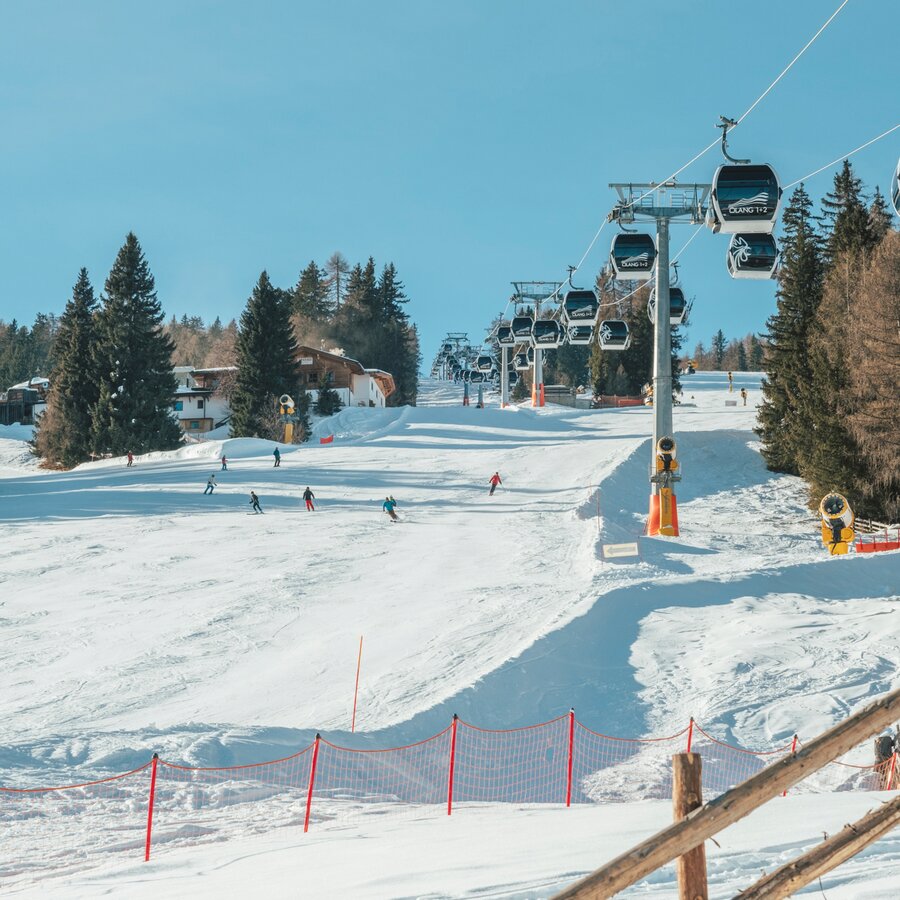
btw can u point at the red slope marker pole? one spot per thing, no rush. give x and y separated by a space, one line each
569 760
150 806
312 781
452 764
793 751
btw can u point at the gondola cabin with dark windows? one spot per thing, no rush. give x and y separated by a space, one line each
632 256
505 336
521 363
546 333
529 354
580 307
484 363
677 306
580 334
476 377
448 348
512 378
745 199
614 335
521 328
752 256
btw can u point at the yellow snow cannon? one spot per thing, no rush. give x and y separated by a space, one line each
663 507
286 414
837 523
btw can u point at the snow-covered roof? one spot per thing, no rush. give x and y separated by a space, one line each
32 383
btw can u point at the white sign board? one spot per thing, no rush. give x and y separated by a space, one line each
617 551
306 360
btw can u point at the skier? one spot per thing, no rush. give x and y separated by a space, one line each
309 496
130 459
388 507
224 463
730 383
254 502
277 454
495 480
886 745
210 484
744 395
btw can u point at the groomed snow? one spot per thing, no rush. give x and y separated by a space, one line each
139 615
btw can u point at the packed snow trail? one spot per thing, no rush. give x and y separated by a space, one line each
168 620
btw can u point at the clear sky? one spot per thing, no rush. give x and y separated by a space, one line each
470 142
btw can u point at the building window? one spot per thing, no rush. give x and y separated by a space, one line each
195 424
179 405
200 404
313 378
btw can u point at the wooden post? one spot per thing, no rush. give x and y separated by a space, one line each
733 805
792 876
687 795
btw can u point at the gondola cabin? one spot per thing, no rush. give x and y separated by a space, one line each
512 378
895 189
580 334
520 362
448 348
632 256
521 329
505 336
614 335
677 306
484 363
745 199
580 307
546 333
476 377
752 256
529 353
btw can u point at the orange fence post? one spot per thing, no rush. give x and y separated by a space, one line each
312 781
890 778
452 763
569 760
793 751
356 689
150 806
690 735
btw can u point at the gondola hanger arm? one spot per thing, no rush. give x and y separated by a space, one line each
725 124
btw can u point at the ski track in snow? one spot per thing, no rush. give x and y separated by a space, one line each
138 614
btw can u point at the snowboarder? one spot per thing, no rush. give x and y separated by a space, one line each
388 507
309 496
730 383
210 484
224 463
495 480
744 395
277 454
254 502
130 459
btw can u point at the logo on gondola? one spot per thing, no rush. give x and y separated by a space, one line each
583 312
605 333
642 260
760 204
740 250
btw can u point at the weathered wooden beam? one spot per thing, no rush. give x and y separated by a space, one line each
687 795
730 807
828 855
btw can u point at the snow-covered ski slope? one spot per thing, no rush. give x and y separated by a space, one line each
139 615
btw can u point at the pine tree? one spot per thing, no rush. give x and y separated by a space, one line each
311 297
63 434
718 349
785 426
337 269
846 216
328 400
267 361
756 354
741 357
879 218
134 362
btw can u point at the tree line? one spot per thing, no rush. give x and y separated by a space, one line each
830 412
110 358
746 354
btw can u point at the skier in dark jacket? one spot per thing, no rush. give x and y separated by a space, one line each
254 502
309 496
277 454
495 480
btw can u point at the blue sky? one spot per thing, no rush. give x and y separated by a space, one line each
469 142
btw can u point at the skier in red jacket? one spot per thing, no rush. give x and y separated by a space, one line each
495 480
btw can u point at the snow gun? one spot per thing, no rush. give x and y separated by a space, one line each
663 506
837 523
286 413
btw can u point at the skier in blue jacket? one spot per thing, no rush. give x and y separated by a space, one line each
388 507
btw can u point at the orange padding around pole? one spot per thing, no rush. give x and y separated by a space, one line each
653 521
